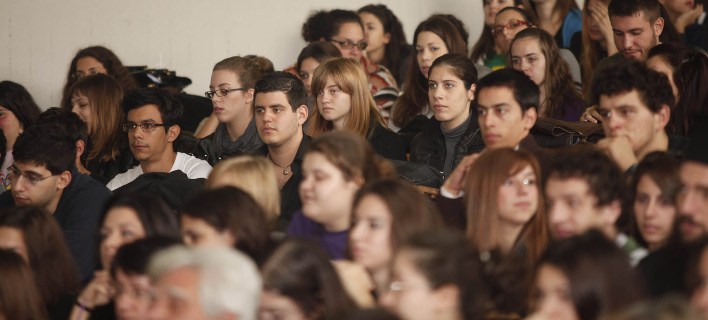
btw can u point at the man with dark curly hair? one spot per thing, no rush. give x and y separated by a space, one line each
635 105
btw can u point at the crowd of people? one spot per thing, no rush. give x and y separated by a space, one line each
558 169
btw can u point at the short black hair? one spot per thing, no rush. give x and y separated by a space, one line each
68 122
133 257
46 145
605 180
284 82
526 93
318 50
170 108
628 74
629 8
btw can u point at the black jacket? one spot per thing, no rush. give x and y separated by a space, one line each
428 147
208 149
386 143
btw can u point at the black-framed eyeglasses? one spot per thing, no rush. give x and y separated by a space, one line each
31 178
347 45
79 75
498 30
221 92
146 126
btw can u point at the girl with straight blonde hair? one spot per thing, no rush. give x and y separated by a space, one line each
343 102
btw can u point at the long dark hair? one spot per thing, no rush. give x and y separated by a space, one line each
19 296
459 65
484 48
415 95
397 42
15 98
300 269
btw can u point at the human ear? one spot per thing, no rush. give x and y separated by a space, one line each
302 114
63 180
249 96
611 213
662 116
530 118
447 297
658 26
387 38
173 133
471 91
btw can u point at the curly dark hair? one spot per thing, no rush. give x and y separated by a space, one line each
170 108
393 26
325 24
627 75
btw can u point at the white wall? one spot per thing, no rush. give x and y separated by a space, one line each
38 38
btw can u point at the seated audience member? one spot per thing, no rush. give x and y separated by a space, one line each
487 50
70 125
35 236
93 60
215 283
689 20
300 282
254 176
697 275
97 101
123 220
635 105
560 18
534 52
655 185
19 294
231 93
385 39
19 112
280 112
437 275
386 212
151 117
583 277
595 42
43 175
687 71
344 104
433 38
584 190
225 217
311 57
334 167
451 133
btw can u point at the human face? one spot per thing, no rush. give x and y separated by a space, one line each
693 200
276 121
326 195
552 294
527 57
352 32
624 114
376 37
307 69
121 226
659 64
10 126
176 296
593 27
12 239
517 200
635 35
677 7
334 104
500 118
198 233
654 212
275 306
428 47
88 66
235 104
81 105
132 298
699 298
449 97
572 209
370 237
152 146
45 194
491 7
414 299
506 19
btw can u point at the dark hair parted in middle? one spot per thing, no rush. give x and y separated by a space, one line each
15 98
627 75
133 258
170 108
526 92
230 209
459 65
284 82
154 214
397 38
48 146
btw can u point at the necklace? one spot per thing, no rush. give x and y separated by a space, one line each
285 168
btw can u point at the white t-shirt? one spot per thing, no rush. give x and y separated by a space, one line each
194 168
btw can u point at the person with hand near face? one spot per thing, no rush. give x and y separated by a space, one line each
18 111
595 41
386 41
451 133
688 18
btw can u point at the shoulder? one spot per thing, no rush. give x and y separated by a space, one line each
124 178
192 166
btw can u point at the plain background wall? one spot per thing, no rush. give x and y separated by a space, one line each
38 39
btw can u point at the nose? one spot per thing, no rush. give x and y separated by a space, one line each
123 302
651 210
426 55
436 93
112 241
357 231
487 120
556 214
157 310
627 42
547 307
687 203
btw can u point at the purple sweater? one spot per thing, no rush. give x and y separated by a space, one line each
335 243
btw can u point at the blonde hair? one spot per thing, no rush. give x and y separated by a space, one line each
254 176
349 76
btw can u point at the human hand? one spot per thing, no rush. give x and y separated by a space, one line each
688 18
356 282
456 181
99 291
599 13
591 115
619 149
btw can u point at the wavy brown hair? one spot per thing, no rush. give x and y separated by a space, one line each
19 296
484 48
592 52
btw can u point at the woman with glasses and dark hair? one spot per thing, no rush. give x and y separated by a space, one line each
231 92
18 111
93 60
487 51
386 40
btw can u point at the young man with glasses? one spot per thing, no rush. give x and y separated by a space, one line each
151 125
43 175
